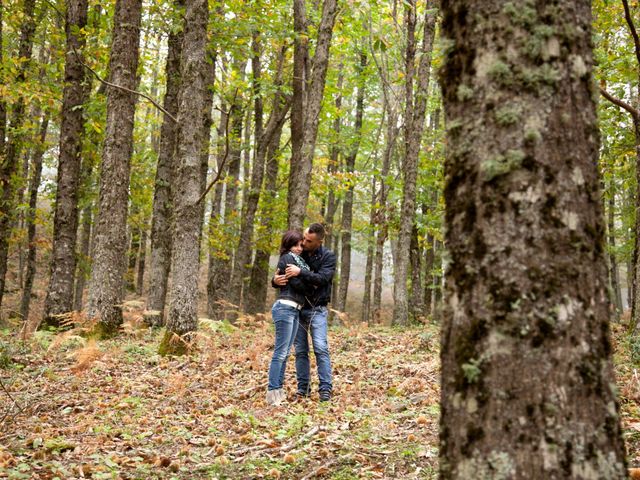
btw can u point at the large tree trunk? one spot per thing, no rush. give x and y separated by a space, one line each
527 380
347 206
415 111
34 184
160 261
110 247
9 163
65 224
264 137
302 158
182 317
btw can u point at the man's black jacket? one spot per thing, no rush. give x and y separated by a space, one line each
322 263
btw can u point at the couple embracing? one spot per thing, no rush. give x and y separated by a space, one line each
303 279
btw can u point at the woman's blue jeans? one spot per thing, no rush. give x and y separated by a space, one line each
285 319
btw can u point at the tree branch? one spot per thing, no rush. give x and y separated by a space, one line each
616 101
226 150
109 84
632 28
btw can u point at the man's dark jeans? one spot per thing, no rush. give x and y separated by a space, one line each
313 321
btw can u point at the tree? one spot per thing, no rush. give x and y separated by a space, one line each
415 111
308 90
183 293
63 259
109 252
527 387
9 161
160 262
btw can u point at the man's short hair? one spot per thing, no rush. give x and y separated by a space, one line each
317 229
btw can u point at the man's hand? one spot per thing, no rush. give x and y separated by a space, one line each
292 271
280 280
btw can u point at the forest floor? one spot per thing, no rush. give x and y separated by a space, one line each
74 408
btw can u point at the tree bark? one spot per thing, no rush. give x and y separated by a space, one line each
9 163
429 263
302 158
347 206
415 111
416 306
59 298
527 379
3 104
142 255
109 252
34 184
83 269
635 296
613 261
182 318
161 224
371 240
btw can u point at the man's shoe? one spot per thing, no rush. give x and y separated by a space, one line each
325 395
301 395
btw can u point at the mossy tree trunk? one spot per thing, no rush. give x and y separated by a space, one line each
182 318
110 238
527 378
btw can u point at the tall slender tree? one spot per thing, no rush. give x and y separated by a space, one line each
347 205
160 261
307 103
34 184
415 111
182 318
9 162
527 388
109 250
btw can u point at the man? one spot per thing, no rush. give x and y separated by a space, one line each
314 314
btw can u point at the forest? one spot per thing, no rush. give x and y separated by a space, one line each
475 168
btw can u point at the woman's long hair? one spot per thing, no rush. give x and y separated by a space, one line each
289 239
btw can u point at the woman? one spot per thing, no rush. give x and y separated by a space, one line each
285 313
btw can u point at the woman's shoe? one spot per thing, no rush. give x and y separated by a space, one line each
274 397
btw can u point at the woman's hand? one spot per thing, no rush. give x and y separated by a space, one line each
280 280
